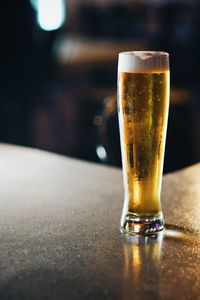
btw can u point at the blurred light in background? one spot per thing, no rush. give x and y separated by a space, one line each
101 152
50 13
34 3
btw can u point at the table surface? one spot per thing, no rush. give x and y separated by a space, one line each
60 238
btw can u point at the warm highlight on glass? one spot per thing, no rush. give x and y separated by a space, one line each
143 103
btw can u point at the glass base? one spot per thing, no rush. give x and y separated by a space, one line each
142 225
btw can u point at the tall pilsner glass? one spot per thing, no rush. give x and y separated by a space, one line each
143 102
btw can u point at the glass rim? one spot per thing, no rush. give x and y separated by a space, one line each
140 53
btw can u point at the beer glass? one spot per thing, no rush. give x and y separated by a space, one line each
143 102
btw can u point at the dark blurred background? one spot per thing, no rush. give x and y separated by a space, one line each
58 73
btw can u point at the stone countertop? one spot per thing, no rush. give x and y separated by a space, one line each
60 238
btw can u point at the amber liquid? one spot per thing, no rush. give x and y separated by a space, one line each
143 101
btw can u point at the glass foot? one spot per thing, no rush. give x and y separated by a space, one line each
142 225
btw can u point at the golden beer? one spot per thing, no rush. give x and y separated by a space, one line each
143 101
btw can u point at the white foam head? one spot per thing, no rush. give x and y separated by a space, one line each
143 61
